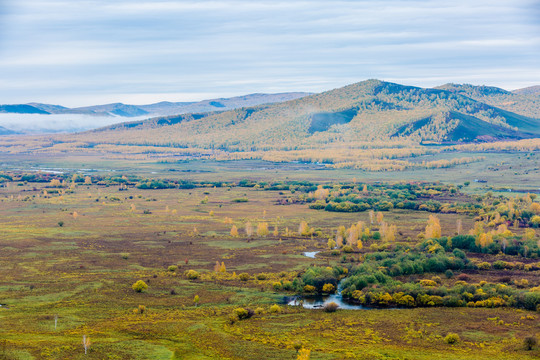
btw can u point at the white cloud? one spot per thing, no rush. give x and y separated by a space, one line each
97 49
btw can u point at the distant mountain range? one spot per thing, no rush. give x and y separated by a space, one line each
364 112
158 109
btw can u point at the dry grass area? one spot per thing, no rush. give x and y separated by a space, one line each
74 256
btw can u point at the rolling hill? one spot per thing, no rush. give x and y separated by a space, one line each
365 112
531 90
525 102
158 109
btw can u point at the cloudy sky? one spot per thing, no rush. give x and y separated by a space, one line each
87 52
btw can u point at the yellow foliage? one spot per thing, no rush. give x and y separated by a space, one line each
262 229
303 354
433 228
303 229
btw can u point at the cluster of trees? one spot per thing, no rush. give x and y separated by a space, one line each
426 294
488 243
373 282
384 197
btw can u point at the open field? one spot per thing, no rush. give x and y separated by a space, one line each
73 251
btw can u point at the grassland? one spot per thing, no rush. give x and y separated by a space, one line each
73 252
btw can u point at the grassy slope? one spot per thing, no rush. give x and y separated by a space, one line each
381 108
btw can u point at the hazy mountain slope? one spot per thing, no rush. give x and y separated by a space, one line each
48 108
531 90
167 108
4 131
117 109
368 111
520 102
21 109
164 108
36 118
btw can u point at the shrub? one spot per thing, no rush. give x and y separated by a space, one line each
274 309
259 311
242 313
261 276
328 288
347 249
530 342
310 289
449 274
484 265
191 274
427 282
172 268
277 286
330 307
244 276
451 338
139 286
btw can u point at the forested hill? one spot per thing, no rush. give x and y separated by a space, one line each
523 101
367 111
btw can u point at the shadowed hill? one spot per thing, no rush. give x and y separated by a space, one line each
523 102
454 127
21 109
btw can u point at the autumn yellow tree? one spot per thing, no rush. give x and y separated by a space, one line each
380 217
249 229
371 217
478 229
331 244
433 228
352 235
234 231
262 229
321 193
530 234
304 229
485 240
459 226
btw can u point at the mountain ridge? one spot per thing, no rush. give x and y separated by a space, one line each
163 108
368 111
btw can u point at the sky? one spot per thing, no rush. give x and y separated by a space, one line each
83 52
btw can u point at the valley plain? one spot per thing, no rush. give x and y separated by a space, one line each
183 237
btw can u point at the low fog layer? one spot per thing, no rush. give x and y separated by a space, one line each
37 123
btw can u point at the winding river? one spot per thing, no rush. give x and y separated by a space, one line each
318 301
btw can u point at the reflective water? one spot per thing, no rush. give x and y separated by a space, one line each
318 302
